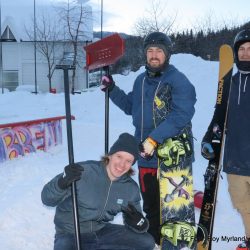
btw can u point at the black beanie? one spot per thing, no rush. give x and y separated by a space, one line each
126 143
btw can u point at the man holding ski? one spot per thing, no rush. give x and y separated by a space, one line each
236 161
104 189
162 106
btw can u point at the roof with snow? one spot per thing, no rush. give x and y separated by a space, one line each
17 19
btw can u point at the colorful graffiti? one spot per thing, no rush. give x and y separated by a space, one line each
26 138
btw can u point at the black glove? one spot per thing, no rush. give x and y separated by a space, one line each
207 151
134 219
71 173
107 82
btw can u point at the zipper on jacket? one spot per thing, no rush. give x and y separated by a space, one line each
142 104
105 202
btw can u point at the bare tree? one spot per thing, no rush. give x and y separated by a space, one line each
206 23
47 40
209 22
75 16
155 19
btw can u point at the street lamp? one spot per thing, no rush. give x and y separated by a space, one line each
35 46
1 50
101 16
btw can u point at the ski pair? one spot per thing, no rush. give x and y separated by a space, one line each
212 174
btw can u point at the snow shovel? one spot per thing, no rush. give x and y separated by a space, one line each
102 54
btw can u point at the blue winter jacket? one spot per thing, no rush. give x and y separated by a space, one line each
237 144
99 199
161 107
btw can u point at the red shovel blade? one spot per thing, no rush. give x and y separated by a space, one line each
104 52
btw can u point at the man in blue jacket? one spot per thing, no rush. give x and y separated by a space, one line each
236 162
162 106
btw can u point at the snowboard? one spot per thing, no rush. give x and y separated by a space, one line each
212 173
176 198
177 212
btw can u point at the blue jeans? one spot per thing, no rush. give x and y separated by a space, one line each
111 237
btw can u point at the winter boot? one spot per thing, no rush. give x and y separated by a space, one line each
244 245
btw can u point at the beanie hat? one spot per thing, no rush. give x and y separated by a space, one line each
160 40
160 46
126 143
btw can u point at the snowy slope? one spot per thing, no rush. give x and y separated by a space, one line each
25 224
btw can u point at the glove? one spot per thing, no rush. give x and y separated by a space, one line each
107 82
72 172
134 219
147 148
207 151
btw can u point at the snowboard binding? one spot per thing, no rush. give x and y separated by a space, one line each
174 150
179 231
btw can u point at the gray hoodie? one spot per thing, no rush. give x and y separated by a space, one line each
99 199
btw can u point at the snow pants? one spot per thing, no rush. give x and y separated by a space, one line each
149 186
239 189
111 237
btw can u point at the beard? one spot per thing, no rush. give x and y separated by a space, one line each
155 63
156 71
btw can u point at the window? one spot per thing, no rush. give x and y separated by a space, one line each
10 79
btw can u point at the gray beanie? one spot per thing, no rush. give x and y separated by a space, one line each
126 143
160 46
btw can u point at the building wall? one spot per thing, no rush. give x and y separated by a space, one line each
19 56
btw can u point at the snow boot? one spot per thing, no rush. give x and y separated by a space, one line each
244 245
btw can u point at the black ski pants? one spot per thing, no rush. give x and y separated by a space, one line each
149 186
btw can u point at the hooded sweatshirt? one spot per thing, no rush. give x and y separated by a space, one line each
99 199
237 144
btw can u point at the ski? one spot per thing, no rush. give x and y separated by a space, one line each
212 174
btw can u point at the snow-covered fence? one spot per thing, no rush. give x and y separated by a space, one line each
18 139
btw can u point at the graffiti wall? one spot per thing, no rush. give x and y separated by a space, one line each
18 139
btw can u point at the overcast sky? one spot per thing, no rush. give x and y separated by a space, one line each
121 15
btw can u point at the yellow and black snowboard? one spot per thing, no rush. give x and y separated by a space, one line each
176 194
177 216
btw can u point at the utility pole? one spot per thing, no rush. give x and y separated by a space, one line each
101 16
35 92
1 50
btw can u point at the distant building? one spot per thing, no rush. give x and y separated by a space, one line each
18 60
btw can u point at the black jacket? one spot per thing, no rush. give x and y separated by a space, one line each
237 143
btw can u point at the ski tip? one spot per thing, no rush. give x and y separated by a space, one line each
226 59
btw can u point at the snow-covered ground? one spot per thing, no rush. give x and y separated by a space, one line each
25 223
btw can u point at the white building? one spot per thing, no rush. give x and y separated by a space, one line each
22 63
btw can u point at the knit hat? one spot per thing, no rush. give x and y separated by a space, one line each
160 40
126 143
160 46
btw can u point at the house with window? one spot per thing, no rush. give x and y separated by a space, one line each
23 62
